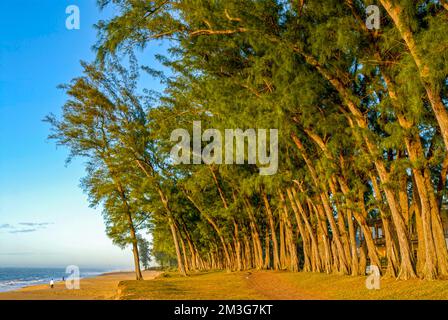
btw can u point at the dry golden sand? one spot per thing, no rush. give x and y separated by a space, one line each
103 287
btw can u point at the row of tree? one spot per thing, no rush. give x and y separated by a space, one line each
363 133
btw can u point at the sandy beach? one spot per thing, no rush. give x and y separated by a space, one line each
102 287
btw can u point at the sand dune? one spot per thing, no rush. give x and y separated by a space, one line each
103 287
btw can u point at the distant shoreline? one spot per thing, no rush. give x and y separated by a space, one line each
58 276
99 287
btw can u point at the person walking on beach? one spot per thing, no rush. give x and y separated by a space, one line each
51 283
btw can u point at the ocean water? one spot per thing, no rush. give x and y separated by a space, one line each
14 278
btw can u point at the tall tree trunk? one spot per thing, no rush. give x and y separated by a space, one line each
407 267
429 268
391 251
362 256
307 253
323 232
429 209
184 252
328 211
180 264
395 12
193 254
258 251
132 233
267 249
371 247
354 251
270 217
282 236
237 245
138 271
148 170
292 259
340 220
217 229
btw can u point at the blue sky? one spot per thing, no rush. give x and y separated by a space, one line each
44 215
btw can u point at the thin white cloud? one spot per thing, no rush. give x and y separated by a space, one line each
24 227
16 253
23 231
35 224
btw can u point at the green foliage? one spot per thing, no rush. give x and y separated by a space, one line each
351 97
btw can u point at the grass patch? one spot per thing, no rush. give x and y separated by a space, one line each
353 288
199 286
277 285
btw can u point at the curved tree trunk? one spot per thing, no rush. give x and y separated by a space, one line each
271 223
307 255
395 12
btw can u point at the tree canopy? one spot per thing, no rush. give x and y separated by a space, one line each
362 125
